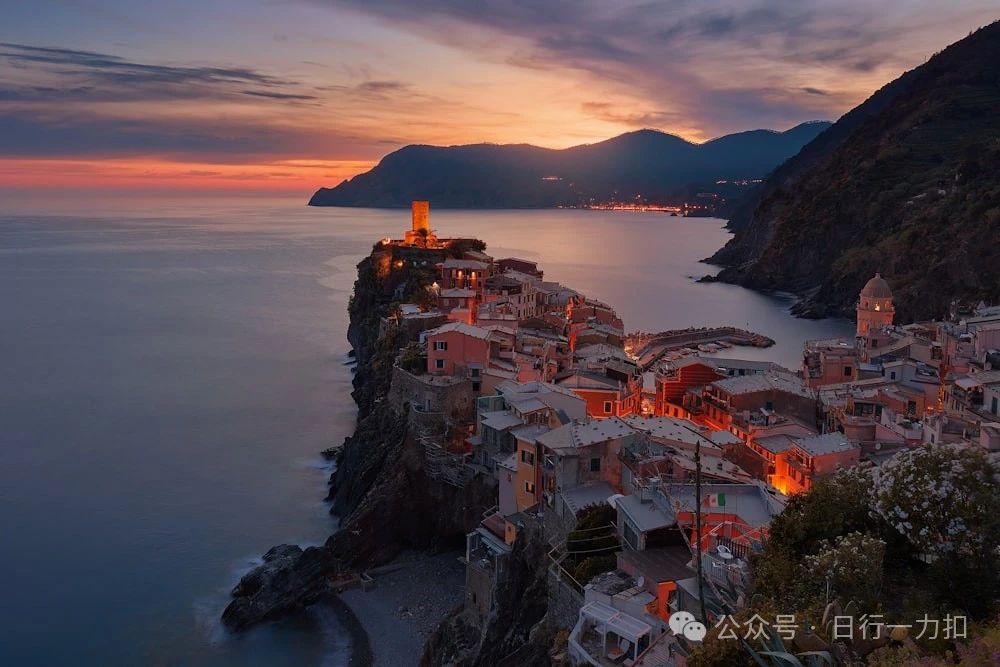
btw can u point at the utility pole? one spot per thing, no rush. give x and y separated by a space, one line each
697 528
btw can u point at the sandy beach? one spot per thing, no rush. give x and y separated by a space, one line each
411 596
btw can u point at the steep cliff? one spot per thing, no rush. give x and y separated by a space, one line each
516 632
381 490
902 185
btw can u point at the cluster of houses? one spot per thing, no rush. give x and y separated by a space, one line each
527 381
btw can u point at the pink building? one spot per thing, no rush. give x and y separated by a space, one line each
464 273
459 349
832 361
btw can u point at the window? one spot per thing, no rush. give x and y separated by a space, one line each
475 386
475 372
607 407
892 375
769 405
527 457
529 487
439 363
441 345
993 405
847 371
630 536
595 465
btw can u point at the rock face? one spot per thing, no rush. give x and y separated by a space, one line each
404 508
381 491
900 185
288 580
516 633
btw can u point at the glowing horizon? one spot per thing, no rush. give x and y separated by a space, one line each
299 95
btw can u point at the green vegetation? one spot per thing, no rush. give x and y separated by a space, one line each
591 547
910 188
413 359
917 536
459 247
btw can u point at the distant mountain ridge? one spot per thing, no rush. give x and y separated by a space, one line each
650 164
905 184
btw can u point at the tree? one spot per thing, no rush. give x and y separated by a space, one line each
850 567
943 500
835 506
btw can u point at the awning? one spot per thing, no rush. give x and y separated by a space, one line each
611 619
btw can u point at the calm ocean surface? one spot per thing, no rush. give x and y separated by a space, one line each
170 372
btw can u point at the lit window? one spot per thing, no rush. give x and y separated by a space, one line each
529 487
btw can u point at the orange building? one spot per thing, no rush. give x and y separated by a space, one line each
609 394
797 466
673 383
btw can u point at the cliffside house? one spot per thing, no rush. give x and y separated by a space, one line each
615 392
462 350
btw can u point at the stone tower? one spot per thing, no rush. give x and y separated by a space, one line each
875 309
421 210
420 231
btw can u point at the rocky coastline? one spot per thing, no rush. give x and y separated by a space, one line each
380 490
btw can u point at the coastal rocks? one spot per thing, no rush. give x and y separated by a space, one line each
381 489
404 507
515 633
376 438
288 580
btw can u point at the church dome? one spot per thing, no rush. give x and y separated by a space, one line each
877 288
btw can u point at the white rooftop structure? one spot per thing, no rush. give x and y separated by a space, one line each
609 618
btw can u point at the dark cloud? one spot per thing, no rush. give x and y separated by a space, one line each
382 86
677 53
88 75
53 134
279 96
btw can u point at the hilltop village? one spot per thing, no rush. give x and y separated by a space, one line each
599 495
527 381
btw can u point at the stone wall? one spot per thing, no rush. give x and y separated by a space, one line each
564 604
450 399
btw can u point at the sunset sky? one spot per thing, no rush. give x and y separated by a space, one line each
280 95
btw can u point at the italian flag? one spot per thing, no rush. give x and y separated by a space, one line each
714 500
